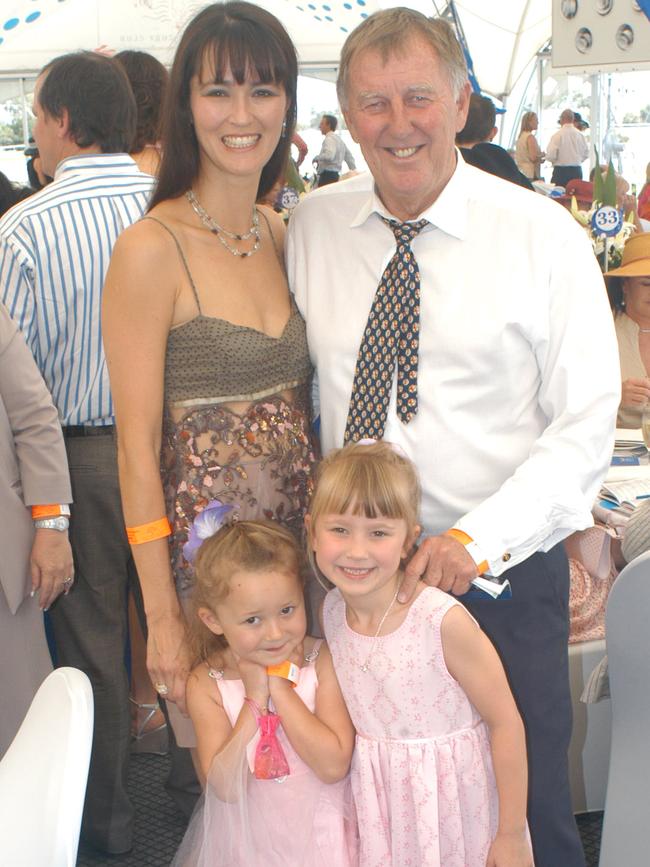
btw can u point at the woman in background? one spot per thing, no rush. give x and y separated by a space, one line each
148 79
643 207
528 154
629 292
36 557
10 194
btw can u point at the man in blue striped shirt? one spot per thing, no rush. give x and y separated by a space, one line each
54 252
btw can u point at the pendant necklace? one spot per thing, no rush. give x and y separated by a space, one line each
223 234
366 665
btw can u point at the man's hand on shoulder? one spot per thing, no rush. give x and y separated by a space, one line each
440 561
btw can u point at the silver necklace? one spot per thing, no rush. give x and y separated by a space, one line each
222 234
375 638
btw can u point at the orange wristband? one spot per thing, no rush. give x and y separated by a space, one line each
50 511
467 541
288 670
149 532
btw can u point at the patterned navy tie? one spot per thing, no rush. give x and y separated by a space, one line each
391 336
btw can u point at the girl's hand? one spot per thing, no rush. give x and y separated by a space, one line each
255 678
279 686
510 850
168 658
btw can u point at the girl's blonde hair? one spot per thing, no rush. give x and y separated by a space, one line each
243 546
373 480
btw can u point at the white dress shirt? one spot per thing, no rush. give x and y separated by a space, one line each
518 375
568 147
333 153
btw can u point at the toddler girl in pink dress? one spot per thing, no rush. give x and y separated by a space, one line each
439 769
274 738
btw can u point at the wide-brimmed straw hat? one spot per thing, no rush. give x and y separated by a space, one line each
636 258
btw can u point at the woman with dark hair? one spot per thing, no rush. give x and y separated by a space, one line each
629 294
206 350
10 194
148 79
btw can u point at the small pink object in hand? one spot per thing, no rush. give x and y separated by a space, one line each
270 760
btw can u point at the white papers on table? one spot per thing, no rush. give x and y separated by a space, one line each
625 495
629 441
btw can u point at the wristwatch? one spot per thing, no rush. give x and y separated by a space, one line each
60 523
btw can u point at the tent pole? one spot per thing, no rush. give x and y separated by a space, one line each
24 111
540 85
595 117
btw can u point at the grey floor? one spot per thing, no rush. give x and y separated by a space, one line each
159 826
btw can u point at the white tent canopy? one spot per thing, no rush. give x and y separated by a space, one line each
502 35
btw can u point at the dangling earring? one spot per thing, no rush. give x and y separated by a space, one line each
284 128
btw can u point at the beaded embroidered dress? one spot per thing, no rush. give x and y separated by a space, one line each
422 775
236 424
297 822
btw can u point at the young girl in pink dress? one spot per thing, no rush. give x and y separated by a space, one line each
439 770
275 747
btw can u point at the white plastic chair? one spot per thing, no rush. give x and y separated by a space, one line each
627 811
44 772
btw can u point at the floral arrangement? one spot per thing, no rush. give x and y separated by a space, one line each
607 241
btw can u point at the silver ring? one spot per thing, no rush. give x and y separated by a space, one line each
161 688
68 581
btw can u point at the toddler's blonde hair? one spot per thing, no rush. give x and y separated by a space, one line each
243 546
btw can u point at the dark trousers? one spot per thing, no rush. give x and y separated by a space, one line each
90 630
327 177
531 633
563 174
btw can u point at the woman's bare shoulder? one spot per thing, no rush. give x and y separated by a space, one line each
148 248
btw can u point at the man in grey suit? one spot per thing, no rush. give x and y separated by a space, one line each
36 560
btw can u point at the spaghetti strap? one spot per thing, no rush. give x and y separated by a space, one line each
312 656
183 259
278 252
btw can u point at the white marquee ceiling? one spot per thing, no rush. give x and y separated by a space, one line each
503 35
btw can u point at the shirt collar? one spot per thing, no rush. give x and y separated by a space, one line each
449 212
91 162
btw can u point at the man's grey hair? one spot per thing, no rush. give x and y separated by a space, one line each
389 31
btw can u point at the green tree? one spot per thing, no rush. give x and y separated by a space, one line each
316 116
11 130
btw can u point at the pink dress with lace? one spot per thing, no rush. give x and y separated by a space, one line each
422 775
298 821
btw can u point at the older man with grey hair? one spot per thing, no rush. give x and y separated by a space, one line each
567 150
481 373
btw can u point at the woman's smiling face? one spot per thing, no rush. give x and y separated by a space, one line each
237 126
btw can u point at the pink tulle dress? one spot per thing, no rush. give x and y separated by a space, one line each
296 822
422 775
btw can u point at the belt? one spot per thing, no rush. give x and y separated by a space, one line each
86 430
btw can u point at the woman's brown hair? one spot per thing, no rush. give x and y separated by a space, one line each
249 40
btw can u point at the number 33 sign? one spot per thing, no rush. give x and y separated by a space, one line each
607 220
